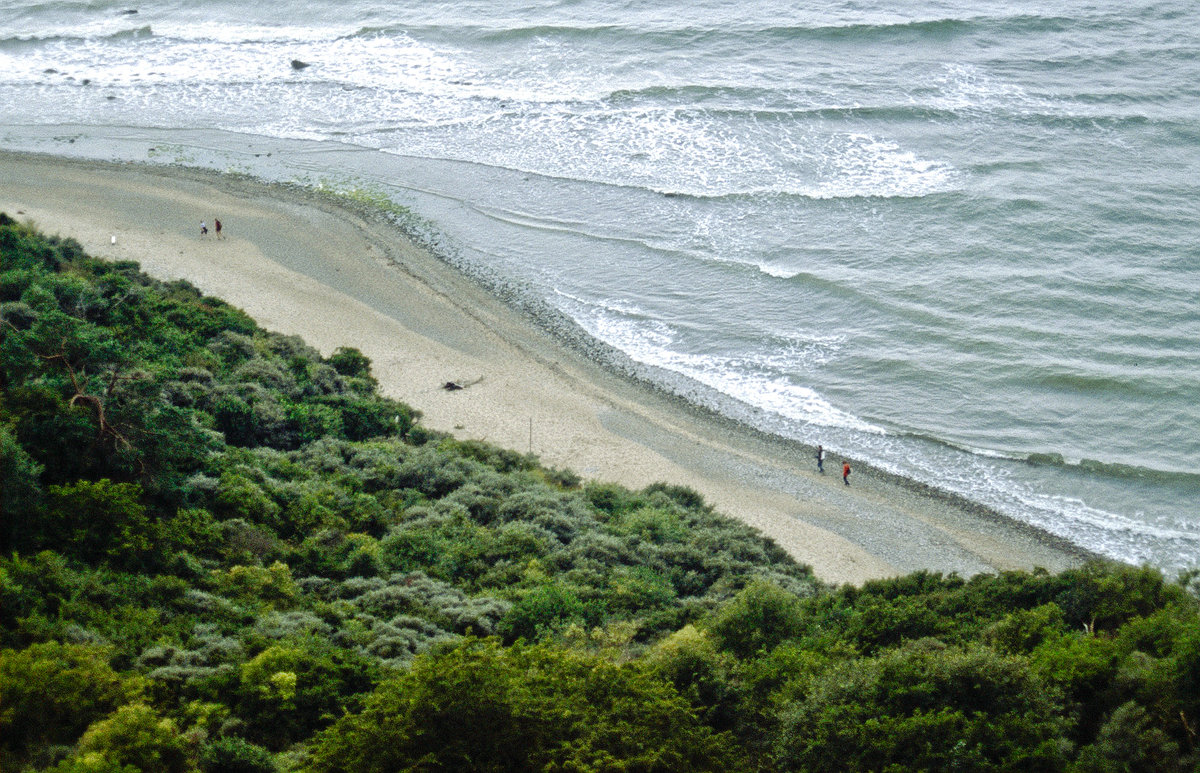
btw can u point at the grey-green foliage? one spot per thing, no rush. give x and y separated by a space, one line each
1130 741
396 641
282 625
391 618
462 520
232 348
432 472
262 372
209 605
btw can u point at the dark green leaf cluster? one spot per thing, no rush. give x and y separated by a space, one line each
1091 669
479 706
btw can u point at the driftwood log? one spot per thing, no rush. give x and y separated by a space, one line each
454 386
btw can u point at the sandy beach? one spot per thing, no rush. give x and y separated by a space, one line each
305 265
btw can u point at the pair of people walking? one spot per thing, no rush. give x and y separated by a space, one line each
821 465
216 227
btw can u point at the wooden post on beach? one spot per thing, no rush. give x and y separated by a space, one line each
531 434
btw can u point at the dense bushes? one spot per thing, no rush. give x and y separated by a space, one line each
482 707
221 551
53 691
926 707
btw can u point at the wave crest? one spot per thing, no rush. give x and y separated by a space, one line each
143 32
1117 470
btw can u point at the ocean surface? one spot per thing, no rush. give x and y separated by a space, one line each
959 240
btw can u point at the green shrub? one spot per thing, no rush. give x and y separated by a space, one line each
1129 741
350 362
691 662
878 622
292 689
758 619
924 707
652 524
1021 632
53 691
527 708
230 754
499 459
20 491
135 736
235 419
540 612
363 418
192 530
564 478
685 497
608 497
98 521
1103 597
637 590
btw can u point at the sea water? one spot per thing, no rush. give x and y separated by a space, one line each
958 240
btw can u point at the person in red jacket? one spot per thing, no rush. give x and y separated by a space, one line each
846 473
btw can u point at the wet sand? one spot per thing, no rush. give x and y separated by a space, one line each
312 266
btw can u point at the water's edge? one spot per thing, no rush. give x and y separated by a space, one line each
569 335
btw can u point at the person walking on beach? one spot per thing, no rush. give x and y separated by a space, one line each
820 459
846 473
217 227
203 229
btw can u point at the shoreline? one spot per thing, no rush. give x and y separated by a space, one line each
337 273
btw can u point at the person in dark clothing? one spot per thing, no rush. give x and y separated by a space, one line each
820 459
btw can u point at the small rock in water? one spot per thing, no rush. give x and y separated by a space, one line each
129 11
298 65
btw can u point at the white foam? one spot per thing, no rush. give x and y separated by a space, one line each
779 272
451 103
232 33
860 165
967 88
758 379
1107 532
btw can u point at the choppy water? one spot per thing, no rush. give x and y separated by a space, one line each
958 239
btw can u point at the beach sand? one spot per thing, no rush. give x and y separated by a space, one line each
303 264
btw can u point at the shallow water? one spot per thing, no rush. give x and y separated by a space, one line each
956 241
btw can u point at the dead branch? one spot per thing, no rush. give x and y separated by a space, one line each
95 402
454 386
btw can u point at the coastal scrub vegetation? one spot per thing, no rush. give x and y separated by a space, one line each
223 551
